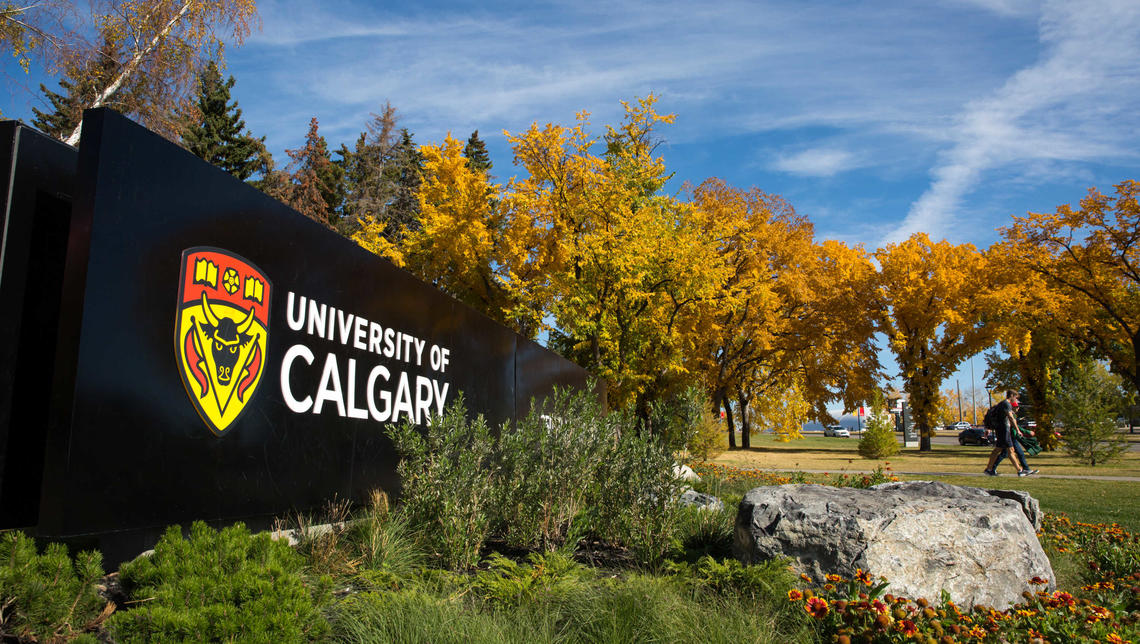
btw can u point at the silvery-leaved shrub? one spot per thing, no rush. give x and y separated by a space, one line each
448 475
547 465
633 500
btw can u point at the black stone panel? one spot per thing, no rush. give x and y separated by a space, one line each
35 203
127 452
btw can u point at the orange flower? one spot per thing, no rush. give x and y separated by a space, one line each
1064 598
1037 581
879 607
834 578
817 607
795 595
863 576
907 627
1113 638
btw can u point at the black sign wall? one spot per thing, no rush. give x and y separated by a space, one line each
222 357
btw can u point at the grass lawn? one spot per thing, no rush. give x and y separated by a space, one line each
1089 501
1082 500
816 452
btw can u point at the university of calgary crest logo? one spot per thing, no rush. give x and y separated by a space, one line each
223 327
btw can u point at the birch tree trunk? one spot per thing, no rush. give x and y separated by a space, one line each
130 67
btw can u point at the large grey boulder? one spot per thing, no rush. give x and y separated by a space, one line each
979 548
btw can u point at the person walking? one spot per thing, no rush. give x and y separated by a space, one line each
1003 421
1017 435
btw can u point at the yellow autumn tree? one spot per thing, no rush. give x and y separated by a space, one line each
584 241
945 408
1088 259
458 244
784 410
1042 348
933 304
622 267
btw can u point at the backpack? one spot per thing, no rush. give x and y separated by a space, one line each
994 418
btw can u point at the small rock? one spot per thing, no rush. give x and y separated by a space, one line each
685 473
702 501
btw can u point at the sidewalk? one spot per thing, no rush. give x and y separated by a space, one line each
1042 475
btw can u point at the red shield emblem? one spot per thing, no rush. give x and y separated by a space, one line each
222 332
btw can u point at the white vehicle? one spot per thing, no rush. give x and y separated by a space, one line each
836 430
959 426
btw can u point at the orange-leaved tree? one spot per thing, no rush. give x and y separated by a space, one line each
783 320
934 304
1089 259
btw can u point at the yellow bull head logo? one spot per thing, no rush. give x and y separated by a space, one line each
223 323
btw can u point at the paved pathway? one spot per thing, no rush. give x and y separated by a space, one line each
1010 475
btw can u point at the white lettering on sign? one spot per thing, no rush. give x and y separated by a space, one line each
340 391
348 386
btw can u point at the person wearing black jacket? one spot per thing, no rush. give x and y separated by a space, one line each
1005 445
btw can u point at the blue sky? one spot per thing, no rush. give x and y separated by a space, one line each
875 119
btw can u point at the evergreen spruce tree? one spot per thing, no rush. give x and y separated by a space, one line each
216 132
405 172
476 153
1087 404
317 183
367 190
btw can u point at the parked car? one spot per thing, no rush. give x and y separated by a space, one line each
975 436
836 430
958 426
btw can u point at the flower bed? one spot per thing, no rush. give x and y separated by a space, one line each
1105 609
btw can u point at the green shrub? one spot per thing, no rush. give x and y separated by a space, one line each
1087 404
706 532
707 438
633 498
47 596
675 417
219 586
878 440
448 478
547 465
545 578
566 471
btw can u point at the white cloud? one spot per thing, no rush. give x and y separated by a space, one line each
1078 103
820 162
1002 7
736 67
937 99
